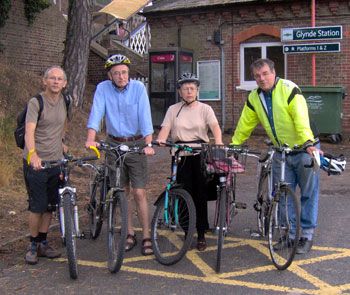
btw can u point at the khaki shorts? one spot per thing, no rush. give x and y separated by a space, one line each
134 170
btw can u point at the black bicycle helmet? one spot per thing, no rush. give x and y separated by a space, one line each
187 78
333 165
117 59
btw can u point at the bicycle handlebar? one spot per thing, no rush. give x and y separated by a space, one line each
119 148
67 158
179 146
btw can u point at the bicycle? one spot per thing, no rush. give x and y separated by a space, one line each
226 161
273 216
110 198
67 207
174 219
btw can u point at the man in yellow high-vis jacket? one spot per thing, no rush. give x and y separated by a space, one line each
280 107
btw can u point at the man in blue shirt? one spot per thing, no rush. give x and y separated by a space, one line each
125 106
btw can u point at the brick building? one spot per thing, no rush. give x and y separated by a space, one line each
250 29
37 46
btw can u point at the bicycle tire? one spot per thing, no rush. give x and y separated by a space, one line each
70 236
117 230
172 240
281 249
221 232
96 207
263 203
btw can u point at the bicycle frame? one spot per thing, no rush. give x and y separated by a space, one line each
173 182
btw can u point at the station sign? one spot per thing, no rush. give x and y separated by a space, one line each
311 33
312 48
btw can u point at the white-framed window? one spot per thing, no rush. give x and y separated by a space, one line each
252 51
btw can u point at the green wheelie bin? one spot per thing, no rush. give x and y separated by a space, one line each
325 109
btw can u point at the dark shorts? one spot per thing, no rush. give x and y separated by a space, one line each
42 187
134 170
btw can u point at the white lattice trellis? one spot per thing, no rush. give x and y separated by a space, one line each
138 39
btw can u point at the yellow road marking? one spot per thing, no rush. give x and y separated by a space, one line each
209 276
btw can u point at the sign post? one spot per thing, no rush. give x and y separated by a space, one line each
311 48
312 33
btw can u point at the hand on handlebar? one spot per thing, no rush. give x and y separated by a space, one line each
90 143
35 161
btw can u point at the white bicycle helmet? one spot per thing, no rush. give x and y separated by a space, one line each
333 165
187 78
117 59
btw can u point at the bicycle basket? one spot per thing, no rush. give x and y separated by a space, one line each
220 160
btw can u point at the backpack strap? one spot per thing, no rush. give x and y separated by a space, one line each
67 102
41 104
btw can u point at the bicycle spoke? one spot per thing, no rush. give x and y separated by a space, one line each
283 224
172 229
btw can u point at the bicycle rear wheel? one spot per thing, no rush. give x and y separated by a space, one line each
221 230
262 205
173 227
117 230
282 248
70 235
96 206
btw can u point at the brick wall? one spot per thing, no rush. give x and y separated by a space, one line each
36 47
258 23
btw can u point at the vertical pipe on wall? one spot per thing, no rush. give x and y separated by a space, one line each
223 88
313 54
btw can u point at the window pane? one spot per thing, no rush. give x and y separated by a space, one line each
250 54
275 53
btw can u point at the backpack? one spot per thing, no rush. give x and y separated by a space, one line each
20 130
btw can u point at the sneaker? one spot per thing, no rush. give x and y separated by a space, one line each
304 246
282 244
44 250
31 254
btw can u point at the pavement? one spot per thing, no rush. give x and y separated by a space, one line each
246 264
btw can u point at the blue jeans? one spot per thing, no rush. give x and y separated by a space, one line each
308 182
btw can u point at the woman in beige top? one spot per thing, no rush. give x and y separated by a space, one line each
188 122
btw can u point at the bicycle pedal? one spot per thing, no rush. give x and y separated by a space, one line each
86 234
241 205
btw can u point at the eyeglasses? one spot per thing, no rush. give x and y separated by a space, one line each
59 79
264 74
189 89
122 73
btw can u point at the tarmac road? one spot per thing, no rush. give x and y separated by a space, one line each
246 266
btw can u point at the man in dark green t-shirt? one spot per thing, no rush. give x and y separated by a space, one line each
44 141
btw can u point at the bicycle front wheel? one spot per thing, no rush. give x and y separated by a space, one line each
173 226
221 228
96 206
284 221
117 230
70 235
263 203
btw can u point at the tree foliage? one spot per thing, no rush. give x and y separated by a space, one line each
32 7
77 48
5 6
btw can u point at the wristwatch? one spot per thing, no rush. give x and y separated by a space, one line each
149 145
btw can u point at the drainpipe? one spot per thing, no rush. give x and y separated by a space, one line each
223 88
313 54
218 40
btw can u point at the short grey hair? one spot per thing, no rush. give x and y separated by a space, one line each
259 63
55 67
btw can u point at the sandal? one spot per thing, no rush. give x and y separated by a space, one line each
144 248
201 244
130 245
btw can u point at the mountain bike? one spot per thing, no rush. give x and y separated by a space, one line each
109 199
274 218
174 219
226 161
67 208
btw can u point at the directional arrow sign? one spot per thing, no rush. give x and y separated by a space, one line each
311 48
312 33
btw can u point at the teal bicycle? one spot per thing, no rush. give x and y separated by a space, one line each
174 219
